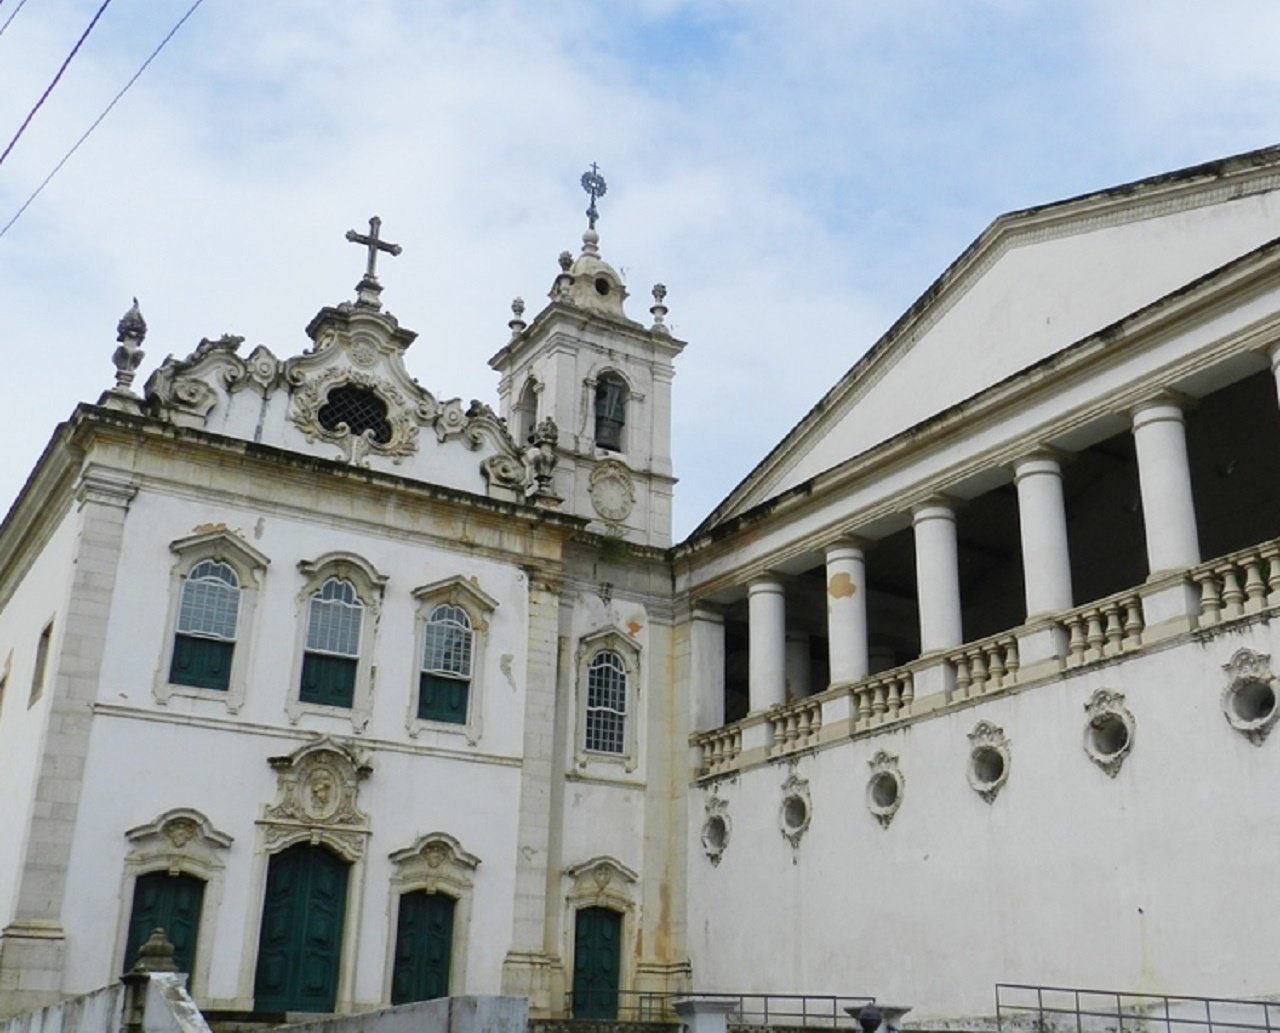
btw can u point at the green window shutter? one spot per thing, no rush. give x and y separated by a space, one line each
424 947
300 943
442 699
597 963
203 663
328 680
171 903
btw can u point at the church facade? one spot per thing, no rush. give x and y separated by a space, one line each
366 696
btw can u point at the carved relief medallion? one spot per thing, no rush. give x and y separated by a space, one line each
612 491
1108 734
316 799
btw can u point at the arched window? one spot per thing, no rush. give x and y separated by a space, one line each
205 637
445 680
526 414
335 617
611 411
606 722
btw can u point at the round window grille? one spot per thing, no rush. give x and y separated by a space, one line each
359 409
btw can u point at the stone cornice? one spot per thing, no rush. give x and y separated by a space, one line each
1183 190
41 505
544 324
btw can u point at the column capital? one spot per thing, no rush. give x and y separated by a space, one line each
934 507
706 612
1043 459
847 546
766 581
106 488
1165 404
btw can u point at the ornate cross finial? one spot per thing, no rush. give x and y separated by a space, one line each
368 288
593 183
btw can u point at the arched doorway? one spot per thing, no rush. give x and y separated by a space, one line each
300 943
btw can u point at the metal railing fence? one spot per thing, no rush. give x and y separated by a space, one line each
1063 1009
822 1011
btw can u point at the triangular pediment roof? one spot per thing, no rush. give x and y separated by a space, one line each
1032 283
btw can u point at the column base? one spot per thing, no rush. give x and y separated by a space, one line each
1170 606
31 963
932 676
1041 648
540 978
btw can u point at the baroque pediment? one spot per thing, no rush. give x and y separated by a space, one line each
317 798
350 398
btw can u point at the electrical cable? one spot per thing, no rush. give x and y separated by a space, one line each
21 4
105 111
49 89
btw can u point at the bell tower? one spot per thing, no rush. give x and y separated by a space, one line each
606 381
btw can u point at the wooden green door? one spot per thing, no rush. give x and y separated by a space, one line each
171 903
597 958
300 944
424 947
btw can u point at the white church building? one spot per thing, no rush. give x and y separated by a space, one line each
368 697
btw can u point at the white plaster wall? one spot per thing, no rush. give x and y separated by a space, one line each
138 769
38 598
1158 880
1038 297
139 629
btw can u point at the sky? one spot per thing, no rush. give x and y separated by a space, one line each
796 174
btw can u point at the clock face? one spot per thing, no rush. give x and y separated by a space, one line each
612 497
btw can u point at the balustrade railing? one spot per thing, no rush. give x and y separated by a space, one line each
795 726
1244 582
987 665
720 748
1105 628
882 697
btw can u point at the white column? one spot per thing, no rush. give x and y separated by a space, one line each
847 611
1168 511
799 666
1042 521
937 575
706 669
766 615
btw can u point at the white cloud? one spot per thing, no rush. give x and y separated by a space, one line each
794 174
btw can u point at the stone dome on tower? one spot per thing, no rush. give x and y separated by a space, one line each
589 282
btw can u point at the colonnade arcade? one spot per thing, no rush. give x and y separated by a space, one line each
1121 502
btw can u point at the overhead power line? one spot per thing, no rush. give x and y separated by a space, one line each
49 89
21 4
97 121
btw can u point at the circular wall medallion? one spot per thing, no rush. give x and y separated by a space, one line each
612 492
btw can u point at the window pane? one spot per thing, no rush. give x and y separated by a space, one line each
334 618
606 703
447 642
210 601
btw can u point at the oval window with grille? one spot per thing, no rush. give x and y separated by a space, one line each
358 409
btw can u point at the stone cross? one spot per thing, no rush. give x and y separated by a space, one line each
374 245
